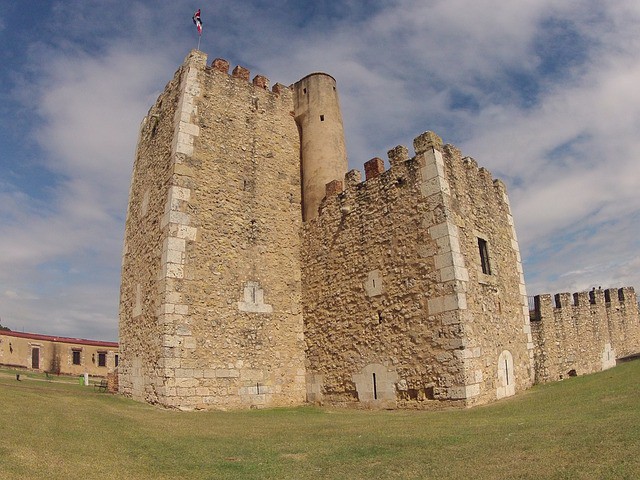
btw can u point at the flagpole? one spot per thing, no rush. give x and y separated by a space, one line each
199 37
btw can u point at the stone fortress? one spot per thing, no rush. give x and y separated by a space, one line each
257 271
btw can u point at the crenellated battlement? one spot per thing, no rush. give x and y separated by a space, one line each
583 332
624 297
259 81
400 163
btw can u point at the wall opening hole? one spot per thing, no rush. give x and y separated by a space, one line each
322 118
304 90
375 388
506 371
483 248
380 318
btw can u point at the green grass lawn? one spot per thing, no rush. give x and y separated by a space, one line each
582 428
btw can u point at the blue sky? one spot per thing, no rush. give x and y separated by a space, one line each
545 94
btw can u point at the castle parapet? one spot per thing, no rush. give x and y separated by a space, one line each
425 141
334 187
398 155
220 65
373 168
241 72
584 332
616 297
259 81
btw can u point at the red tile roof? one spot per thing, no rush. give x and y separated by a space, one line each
50 338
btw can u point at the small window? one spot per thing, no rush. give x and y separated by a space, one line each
322 118
102 359
76 357
116 359
484 256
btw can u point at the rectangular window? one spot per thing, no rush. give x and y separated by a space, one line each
102 359
76 357
484 256
116 359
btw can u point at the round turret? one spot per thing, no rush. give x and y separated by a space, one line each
323 154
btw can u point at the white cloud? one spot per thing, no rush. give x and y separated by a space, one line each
569 155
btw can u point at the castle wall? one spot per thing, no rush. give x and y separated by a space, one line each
225 326
390 285
496 318
584 333
142 290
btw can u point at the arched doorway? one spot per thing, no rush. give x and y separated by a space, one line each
506 377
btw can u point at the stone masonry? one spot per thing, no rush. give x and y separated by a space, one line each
585 332
243 288
396 305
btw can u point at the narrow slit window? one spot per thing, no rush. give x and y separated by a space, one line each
375 388
484 256
506 371
322 118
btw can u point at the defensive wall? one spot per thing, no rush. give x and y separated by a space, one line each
580 333
64 355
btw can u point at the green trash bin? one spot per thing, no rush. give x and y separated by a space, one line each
81 379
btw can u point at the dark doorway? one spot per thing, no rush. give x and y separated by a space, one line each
35 358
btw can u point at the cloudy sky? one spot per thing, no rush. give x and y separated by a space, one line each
545 94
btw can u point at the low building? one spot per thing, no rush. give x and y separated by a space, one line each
58 355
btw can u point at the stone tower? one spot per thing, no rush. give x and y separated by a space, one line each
322 146
211 311
258 272
413 290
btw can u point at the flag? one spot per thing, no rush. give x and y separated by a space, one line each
197 22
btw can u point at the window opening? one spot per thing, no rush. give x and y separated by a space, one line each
75 357
116 360
102 359
35 358
322 118
484 256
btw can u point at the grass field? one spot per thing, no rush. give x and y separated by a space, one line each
582 428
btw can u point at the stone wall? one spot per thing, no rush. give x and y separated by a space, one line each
585 332
142 286
498 342
395 309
